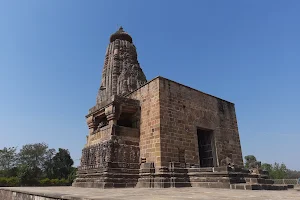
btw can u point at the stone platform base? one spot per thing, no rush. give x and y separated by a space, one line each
187 193
239 186
173 177
211 177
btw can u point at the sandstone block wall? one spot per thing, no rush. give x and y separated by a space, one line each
171 113
148 95
182 111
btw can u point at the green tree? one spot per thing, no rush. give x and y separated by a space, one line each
276 171
48 164
62 164
72 175
249 160
293 174
28 176
33 155
279 171
35 162
267 167
7 158
32 161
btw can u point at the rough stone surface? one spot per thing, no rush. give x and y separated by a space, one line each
121 72
71 193
182 111
148 96
170 116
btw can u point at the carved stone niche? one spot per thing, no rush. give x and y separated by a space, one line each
96 121
123 112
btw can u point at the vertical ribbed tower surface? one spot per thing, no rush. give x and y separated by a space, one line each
121 73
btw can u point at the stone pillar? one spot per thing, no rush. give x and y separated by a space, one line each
91 124
113 113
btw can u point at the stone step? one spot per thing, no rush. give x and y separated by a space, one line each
206 169
259 181
218 179
210 184
258 187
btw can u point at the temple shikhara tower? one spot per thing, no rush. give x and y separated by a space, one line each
159 133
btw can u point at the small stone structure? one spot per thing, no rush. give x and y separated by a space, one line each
159 133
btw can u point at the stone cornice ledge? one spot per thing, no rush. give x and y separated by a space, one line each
53 195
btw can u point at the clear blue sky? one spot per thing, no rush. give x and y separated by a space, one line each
247 52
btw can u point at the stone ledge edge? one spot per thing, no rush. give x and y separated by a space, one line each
48 195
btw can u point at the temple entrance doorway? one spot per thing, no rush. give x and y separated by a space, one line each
206 148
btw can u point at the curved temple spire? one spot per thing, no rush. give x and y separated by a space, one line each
121 73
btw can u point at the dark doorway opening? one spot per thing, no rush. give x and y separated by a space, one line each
206 148
127 120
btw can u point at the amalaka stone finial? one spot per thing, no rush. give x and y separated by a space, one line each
121 35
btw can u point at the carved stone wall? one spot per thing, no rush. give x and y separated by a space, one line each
121 73
99 155
107 164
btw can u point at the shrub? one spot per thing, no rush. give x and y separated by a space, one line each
3 181
72 175
62 182
54 182
13 182
45 182
28 176
9 182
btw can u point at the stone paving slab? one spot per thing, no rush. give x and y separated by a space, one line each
157 194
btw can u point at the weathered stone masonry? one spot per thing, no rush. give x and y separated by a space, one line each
170 116
148 96
182 111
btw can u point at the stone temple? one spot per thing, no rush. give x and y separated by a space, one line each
160 133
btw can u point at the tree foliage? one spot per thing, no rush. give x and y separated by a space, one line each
72 175
36 162
48 164
249 160
33 155
276 170
32 161
28 176
293 174
7 158
62 164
